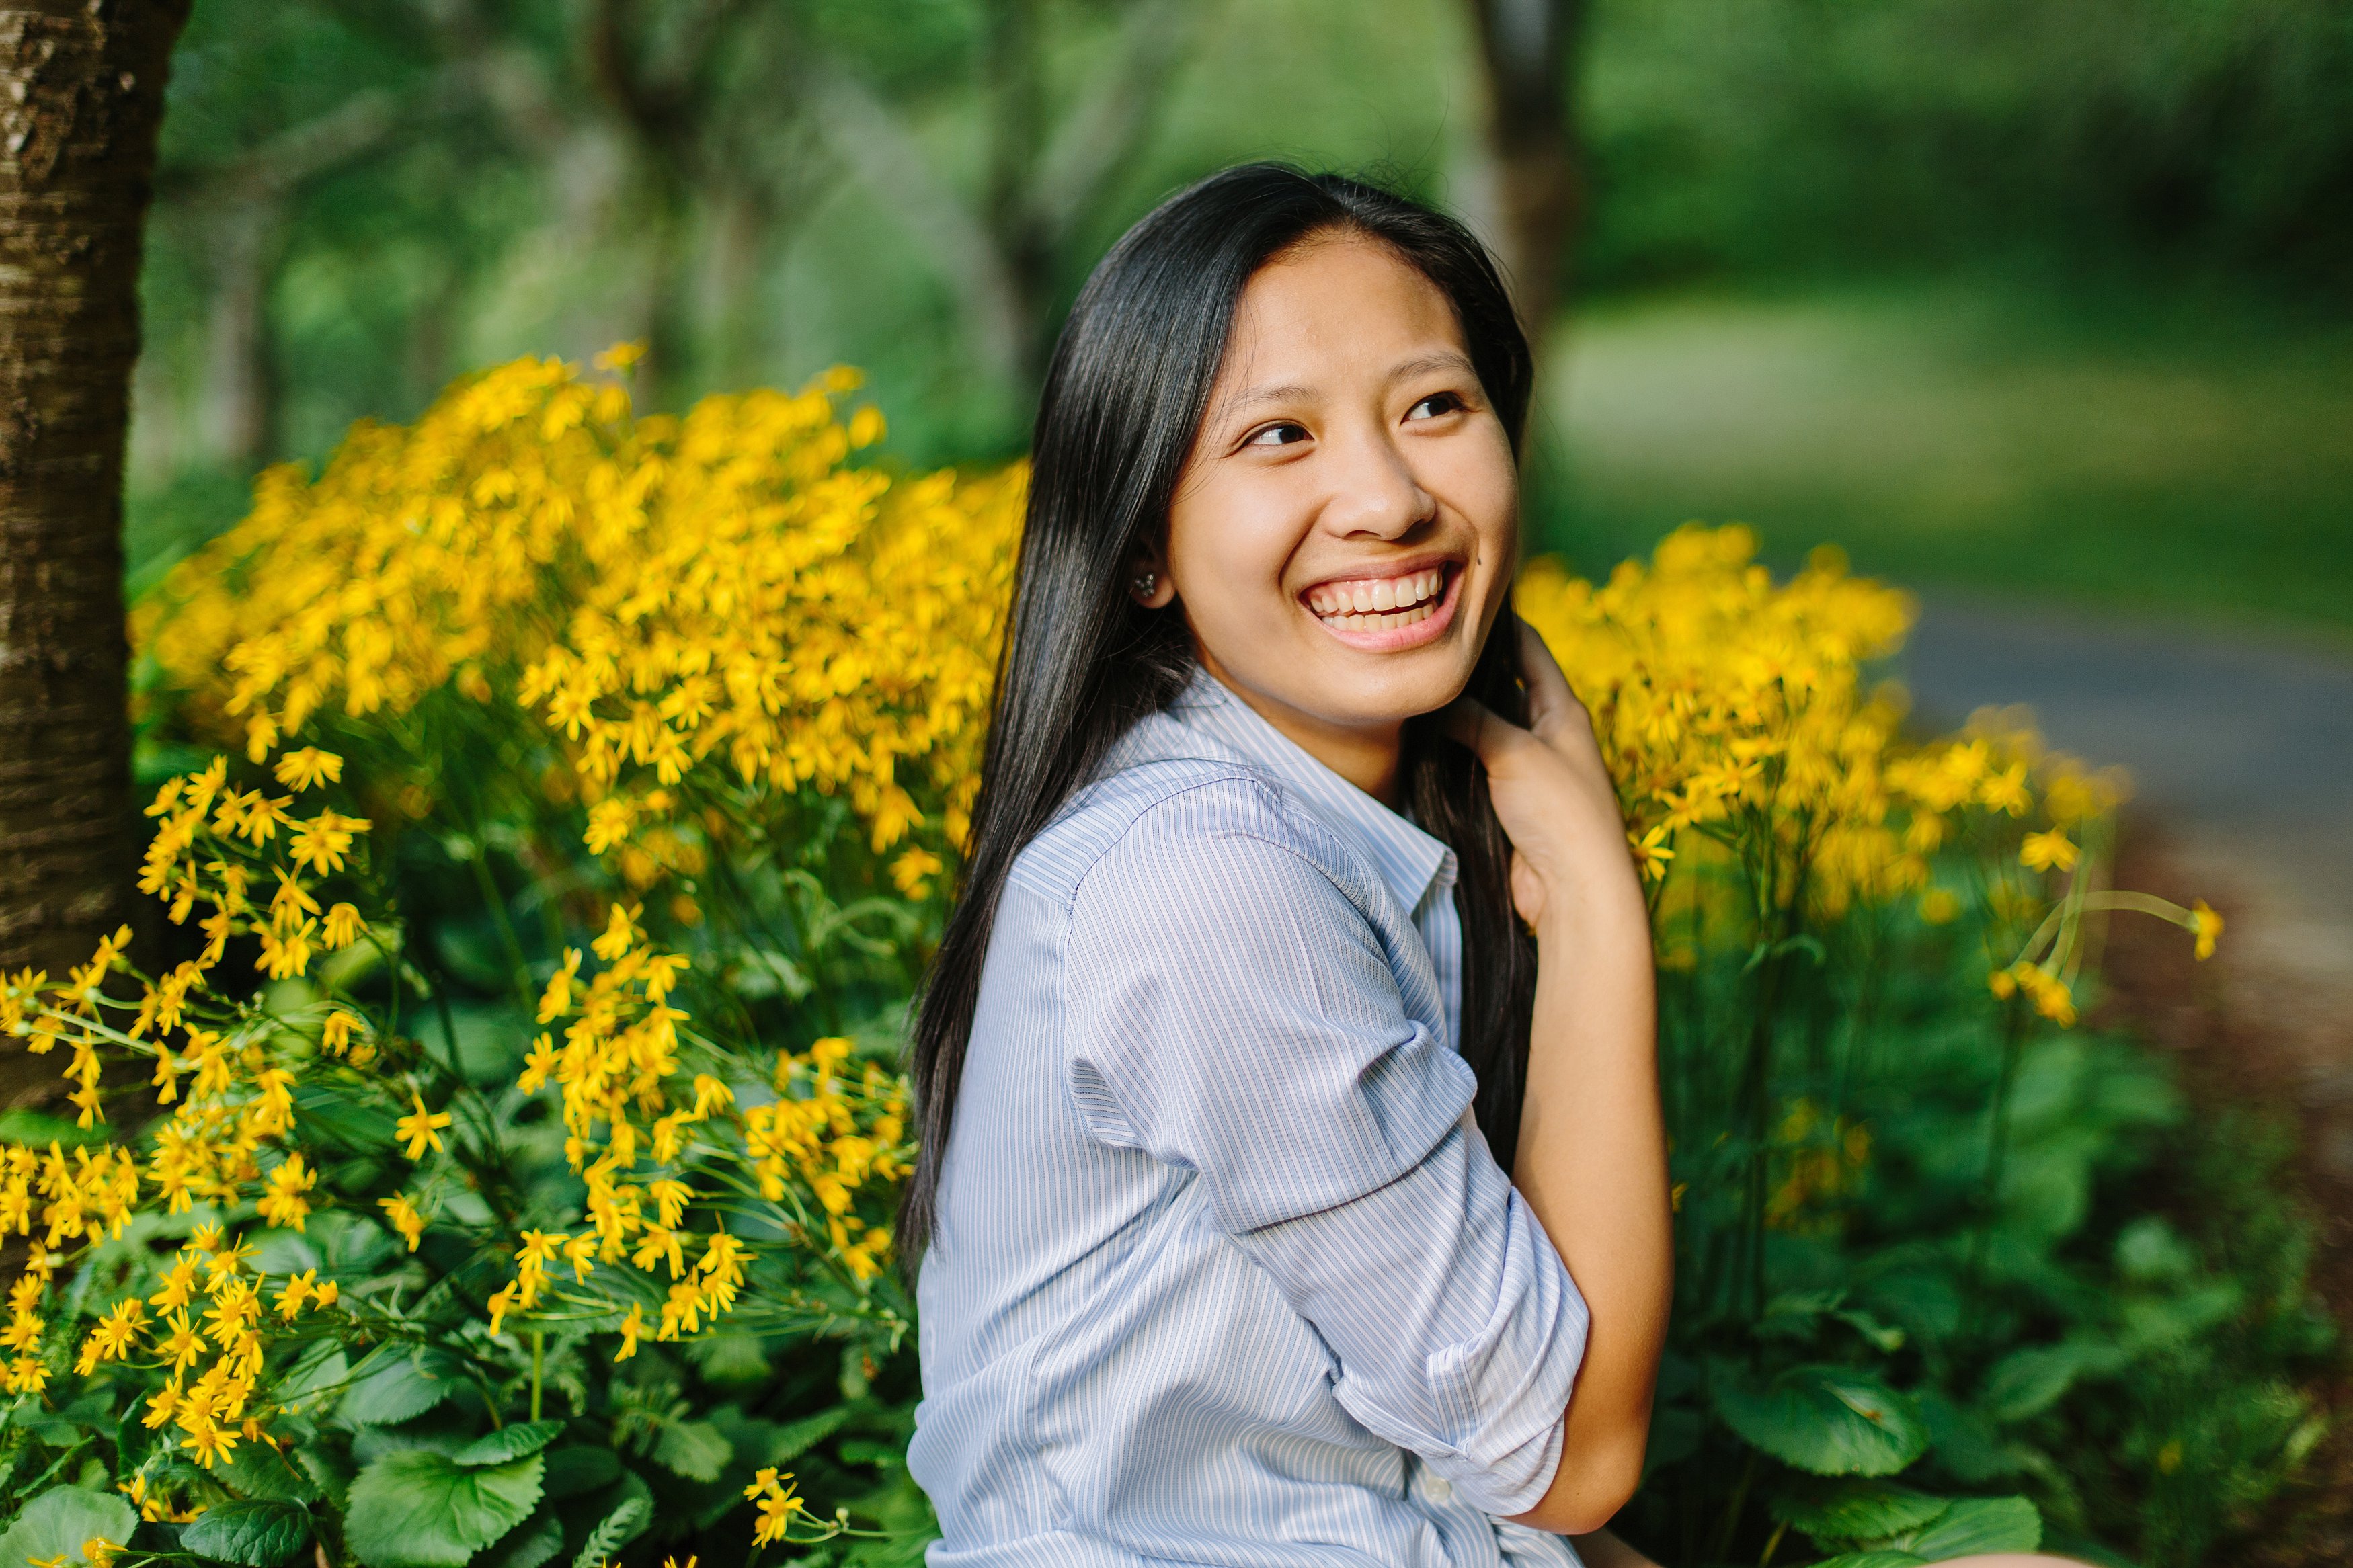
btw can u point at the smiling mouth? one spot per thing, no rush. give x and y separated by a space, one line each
1378 604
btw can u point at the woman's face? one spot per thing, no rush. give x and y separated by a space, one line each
1346 529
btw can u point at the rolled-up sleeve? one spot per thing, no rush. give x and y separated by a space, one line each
1234 1012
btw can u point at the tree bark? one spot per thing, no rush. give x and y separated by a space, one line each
81 97
1528 51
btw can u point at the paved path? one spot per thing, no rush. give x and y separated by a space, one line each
2242 752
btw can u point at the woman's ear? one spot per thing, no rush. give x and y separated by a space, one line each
1148 583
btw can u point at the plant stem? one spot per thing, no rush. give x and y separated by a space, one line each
538 1353
1732 1509
1996 1151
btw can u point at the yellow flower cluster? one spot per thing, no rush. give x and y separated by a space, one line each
616 1071
1735 714
689 603
208 1309
1733 709
778 1501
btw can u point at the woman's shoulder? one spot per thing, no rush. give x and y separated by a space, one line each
1152 827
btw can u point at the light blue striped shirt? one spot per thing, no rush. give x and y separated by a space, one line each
1223 1272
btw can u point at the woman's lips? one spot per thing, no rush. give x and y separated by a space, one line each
1385 614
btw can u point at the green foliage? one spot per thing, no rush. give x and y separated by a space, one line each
417 1509
1826 1419
257 1534
59 1522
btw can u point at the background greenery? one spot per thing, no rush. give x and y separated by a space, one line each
2041 297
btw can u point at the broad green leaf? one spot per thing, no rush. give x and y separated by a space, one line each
571 1471
529 1545
401 1385
1874 1558
1968 1447
330 1469
40 1128
1827 1419
56 1522
1978 1525
260 1472
509 1443
422 1510
2026 1383
257 1534
695 1450
1847 1510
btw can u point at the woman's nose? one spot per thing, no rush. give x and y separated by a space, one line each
1374 492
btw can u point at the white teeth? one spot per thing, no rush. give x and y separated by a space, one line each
1376 603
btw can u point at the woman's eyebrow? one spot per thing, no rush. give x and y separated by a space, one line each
1422 365
1252 396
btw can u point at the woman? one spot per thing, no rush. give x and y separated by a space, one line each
1298 908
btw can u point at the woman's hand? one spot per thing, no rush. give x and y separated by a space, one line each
1555 798
1592 1157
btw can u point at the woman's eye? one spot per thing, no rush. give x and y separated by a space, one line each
1436 404
1280 435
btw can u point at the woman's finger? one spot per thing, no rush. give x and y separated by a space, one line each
1466 720
1549 697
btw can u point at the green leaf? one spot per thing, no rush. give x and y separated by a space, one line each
2026 1383
1874 1558
799 1437
509 1443
330 1469
40 1128
619 1527
1968 1447
1854 1511
535 1541
57 1521
695 1450
257 1534
262 1473
402 1386
1978 1525
571 1471
1827 1419
416 1508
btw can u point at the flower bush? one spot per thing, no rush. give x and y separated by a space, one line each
487 1157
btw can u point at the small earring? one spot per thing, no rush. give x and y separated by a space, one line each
1144 582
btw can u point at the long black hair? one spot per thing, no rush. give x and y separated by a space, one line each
1082 660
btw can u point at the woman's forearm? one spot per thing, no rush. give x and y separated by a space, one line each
1592 1166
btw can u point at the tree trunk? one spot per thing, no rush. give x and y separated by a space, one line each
82 100
1528 50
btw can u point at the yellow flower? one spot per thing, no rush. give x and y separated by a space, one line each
307 768
633 1328
2048 851
778 1501
2206 926
282 1202
420 1128
343 928
402 1211
335 1033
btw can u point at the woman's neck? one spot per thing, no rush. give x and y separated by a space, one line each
1366 757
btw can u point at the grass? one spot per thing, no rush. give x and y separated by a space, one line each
2179 457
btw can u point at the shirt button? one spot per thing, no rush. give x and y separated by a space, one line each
1437 1489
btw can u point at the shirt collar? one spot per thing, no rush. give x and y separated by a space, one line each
1409 859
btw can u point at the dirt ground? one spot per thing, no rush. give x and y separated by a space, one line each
2259 1027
